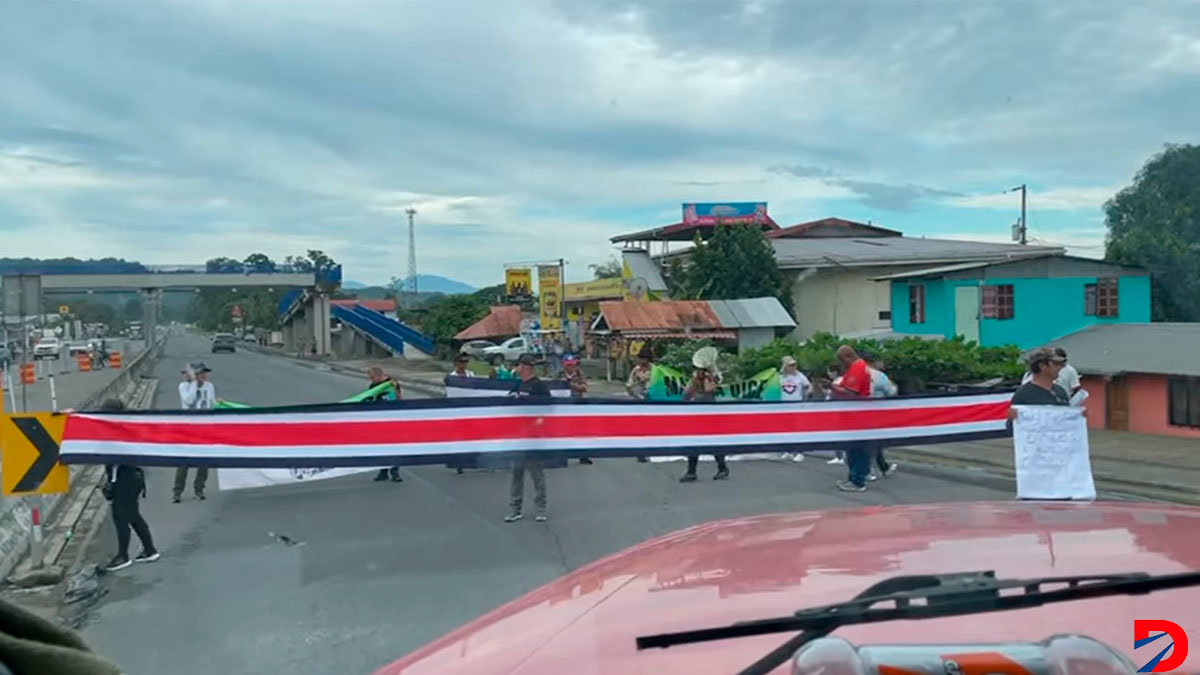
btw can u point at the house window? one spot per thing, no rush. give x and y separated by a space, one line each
1183 401
1089 299
996 301
1106 297
916 303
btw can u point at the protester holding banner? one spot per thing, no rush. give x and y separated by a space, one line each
1051 456
881 387
195 393
855 382
460 366
124 485
638 384
703 388
577 381
528 387
498 371
376 377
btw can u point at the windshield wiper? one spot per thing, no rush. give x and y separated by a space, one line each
923 597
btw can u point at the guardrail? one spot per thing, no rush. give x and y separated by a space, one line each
15 513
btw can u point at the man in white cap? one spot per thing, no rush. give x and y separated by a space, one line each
195 393
703 388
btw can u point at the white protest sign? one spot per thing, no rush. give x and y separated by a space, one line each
1052 459
240 479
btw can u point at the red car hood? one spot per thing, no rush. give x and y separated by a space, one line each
772 565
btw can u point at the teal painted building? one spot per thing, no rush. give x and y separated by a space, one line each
1024 302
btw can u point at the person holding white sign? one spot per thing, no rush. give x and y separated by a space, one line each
1050 440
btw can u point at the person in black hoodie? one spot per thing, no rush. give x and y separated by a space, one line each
124 485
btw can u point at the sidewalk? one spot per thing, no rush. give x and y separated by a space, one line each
1156 467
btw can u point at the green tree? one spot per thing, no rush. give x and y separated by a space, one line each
1155 223
223 265
450 314
737 262
611 269
259 262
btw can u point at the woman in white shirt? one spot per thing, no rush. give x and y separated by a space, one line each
793 386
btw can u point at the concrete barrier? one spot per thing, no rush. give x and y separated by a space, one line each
15 511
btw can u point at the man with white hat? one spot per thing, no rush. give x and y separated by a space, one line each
195 393
703 388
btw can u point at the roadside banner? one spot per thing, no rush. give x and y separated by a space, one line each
550 297
1051 453
238 479
518 283
436 431
668 384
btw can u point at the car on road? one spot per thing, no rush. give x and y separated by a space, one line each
476 348
510 348
79 347
224 342
249 337
740 587
47 348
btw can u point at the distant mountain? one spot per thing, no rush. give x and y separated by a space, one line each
353 285
432 283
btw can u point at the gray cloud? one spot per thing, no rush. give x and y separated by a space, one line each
174 129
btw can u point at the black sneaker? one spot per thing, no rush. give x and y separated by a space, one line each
381 476
119 562
687 478
396 478
176 499
200 496
147 556
642 460
722 474
584 460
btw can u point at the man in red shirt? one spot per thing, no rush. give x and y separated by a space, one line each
856 378
854 383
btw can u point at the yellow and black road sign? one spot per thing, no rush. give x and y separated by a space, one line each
29 454
64 310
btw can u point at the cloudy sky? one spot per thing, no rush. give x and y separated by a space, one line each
172 132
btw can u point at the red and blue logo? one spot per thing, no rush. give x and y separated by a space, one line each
1153 632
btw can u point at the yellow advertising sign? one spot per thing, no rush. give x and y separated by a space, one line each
518 282
598 289
29 455
550 297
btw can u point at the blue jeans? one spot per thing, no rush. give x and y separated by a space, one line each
858 462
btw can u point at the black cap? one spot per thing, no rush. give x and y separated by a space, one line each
462 357
526 360
201 368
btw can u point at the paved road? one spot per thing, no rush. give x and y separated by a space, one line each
71 386
386 567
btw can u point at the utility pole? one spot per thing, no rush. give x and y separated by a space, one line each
1020 231
412 257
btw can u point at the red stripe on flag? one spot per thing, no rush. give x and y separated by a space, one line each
227 431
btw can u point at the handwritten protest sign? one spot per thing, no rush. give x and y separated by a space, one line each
1052 459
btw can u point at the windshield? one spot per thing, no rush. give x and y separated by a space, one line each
486 337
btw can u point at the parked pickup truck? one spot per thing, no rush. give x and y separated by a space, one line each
79 347
47 348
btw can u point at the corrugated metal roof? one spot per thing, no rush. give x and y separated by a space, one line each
668 315
696 335
501 321
857 252
642 267
752 313
1114 348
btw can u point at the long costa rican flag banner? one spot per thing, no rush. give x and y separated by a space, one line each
436 431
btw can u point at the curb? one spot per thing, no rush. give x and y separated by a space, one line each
990 474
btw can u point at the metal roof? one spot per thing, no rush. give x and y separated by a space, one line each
501 321
751 313
932 271
865 251
681 232
1115 348
695 315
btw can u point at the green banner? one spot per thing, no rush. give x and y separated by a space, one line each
667 384
376 390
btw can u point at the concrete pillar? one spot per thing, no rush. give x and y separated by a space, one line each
151 299
320 323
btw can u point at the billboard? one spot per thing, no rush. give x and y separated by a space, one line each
550 297
518 283
725 212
